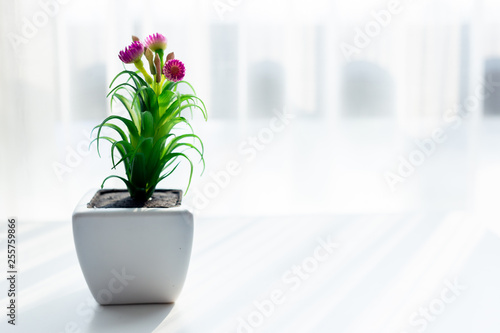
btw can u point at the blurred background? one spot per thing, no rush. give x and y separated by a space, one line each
315 107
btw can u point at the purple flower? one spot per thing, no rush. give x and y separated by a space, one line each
132 53
156 42
174 70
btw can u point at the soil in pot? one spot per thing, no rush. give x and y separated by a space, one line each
121 199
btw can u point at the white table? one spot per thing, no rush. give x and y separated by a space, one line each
384 270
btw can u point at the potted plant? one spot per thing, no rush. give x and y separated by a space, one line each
134 244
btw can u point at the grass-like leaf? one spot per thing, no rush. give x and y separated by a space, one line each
148 149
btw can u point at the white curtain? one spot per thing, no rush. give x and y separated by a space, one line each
364 80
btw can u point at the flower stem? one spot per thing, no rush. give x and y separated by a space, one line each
140 66
156 85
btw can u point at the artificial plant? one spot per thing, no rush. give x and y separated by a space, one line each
145 142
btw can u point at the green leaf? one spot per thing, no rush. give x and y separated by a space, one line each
155 155
126 150
169 173
176 155
128 123
183 144
139 81
148 126
164 100
138 176
107 138
127 183
131 111
117 129
174 141
193 97
148 96
121 86
168 126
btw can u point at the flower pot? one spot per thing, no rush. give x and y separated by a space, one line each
133 255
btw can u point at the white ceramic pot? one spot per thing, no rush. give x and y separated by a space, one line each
133 255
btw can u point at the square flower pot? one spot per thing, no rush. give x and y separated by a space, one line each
133 255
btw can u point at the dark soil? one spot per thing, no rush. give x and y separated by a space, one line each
122 199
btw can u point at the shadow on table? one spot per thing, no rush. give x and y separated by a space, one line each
77 311
129 318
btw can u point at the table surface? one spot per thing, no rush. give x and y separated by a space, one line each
432 272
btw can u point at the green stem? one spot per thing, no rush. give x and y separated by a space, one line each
140 66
